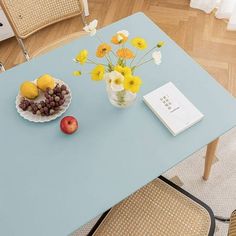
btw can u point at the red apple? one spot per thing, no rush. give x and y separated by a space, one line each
69 125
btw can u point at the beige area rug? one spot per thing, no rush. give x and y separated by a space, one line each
219 192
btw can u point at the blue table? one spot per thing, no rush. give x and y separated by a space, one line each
51 184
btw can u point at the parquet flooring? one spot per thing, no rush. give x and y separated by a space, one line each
203 36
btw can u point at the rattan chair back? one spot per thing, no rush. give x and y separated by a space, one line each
27 16
232 224
157 209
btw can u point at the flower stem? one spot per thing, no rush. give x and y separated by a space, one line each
109 61
121 97
113 53
108 55
99 37
93 62
144 62
124 59
134 57
141 59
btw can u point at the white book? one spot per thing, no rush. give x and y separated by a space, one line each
172 108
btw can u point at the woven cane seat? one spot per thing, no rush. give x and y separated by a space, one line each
232 226
156 209
58 43
29 16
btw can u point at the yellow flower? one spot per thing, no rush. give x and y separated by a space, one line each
82 57
125 53
132 83
160 44
98 72
103 49
77 73
125 71
139 43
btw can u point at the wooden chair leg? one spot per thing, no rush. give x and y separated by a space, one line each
86 8
2 69
210 155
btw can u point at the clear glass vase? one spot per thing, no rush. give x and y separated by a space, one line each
121 99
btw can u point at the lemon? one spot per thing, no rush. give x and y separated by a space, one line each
45 81
29 90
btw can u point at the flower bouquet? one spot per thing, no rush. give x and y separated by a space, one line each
119 72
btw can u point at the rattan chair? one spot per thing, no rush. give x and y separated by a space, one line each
159 209
27 17
232 224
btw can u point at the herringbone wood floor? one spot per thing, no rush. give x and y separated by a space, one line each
202 36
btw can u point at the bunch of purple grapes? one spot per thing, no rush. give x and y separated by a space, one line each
54 98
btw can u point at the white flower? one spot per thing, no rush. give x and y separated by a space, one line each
91 27
107 78
119 37
157 57
115 80
124 32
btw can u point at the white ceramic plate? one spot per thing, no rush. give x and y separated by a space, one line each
38 118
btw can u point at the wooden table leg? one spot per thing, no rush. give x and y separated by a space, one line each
210 155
